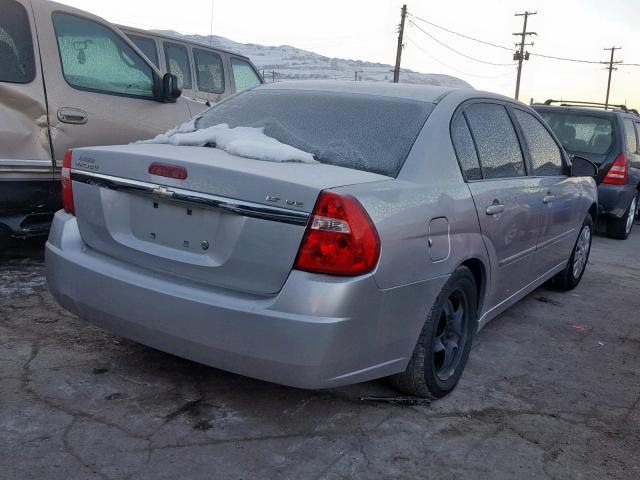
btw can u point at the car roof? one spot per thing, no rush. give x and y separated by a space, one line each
423 93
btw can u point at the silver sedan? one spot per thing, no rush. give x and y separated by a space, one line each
317 234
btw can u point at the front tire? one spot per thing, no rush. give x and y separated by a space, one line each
570 277
443 347
620 228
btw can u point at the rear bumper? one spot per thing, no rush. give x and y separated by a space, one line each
613 200
318 332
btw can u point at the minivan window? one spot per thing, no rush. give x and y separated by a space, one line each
95 58
178 62
243 74
146 46
581 133
16 47
546 157
465 149
630 134
363 132
209 71
496 140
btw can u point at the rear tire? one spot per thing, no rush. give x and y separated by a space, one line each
443 347
570 277
620 228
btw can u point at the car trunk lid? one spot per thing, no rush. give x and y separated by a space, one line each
232 222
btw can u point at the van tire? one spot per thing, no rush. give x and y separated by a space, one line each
428 374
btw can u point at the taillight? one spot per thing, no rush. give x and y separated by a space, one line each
619 171
67 190
167 170
340 238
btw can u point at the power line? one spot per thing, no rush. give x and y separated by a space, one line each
462 35
454 68
458 52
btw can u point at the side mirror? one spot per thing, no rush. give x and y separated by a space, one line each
581 167
171 87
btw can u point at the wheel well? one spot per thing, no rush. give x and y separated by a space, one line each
479 275
593 211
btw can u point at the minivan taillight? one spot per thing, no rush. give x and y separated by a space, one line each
619 171
340 238
67 191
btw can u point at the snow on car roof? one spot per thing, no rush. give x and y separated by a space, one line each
424 93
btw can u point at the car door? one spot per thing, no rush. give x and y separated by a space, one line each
244 75
559 196
99 88
505 197
210 74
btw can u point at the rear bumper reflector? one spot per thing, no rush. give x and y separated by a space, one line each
190 197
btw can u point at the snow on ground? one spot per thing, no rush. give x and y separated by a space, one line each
291 63
244 142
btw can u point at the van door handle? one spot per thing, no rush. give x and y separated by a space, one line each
495 209
548 199
72 115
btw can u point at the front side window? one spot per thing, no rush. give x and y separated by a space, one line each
496 140
95 58
209 71
630 135
17 64
243 74
546 157
146 46
465 149
178 62
581 133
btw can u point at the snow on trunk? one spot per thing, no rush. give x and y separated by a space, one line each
244 142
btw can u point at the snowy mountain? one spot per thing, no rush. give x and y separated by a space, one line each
294 63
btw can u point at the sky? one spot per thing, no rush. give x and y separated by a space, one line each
366 30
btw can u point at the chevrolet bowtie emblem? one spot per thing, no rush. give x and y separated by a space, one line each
162 192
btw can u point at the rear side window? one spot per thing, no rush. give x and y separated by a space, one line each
496 140
243 74
95 58
178 62
630 135
363 132
209 71
146 46
546 157
465 149
17 64
581 133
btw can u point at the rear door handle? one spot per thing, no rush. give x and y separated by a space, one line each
495 209
548 199
72 115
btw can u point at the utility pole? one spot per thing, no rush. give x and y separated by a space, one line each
520 55
273 76
611 68
355 75
396 71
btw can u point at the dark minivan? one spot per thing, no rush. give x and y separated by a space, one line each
610 139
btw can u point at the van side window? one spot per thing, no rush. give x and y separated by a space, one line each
17 64
96 59
209 71
243 74
178 62
630 134
496 140
465 149
546 157
146 46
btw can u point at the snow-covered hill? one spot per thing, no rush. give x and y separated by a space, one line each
294 63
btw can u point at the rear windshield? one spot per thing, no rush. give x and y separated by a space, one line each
362 132
581 133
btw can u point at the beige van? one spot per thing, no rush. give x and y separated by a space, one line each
71 79
207 74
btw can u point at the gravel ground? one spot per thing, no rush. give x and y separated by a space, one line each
552 390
